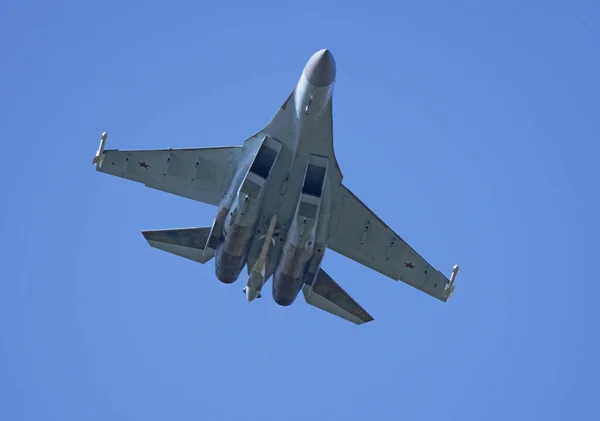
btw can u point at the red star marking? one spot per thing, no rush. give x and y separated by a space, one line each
144 165
409 265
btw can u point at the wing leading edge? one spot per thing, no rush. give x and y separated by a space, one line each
202 174
363 237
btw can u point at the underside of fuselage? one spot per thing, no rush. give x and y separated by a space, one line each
287 176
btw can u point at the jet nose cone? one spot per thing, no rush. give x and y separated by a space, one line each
320 69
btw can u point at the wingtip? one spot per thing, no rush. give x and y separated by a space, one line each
450 287
97 161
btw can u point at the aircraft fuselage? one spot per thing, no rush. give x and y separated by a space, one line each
296 192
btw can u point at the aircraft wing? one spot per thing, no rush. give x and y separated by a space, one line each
363 237
202 174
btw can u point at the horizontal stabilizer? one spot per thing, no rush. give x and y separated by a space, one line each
184 242
329 296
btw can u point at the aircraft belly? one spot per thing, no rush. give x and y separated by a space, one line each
279 199
289 268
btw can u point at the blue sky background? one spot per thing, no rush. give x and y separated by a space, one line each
471 128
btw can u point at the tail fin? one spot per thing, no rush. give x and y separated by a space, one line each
184 242
329 296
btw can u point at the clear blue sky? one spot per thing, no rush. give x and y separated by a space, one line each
471 127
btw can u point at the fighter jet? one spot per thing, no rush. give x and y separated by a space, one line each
280 204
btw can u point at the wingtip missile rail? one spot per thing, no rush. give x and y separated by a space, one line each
450 288
99 154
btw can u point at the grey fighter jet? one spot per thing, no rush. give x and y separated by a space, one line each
280 204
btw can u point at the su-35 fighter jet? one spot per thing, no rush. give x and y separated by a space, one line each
281 204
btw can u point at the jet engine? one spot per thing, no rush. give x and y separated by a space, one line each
299 245
238 225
